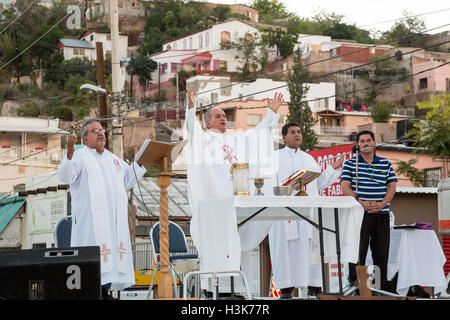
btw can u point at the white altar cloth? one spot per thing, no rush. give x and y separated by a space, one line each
219 232
418 258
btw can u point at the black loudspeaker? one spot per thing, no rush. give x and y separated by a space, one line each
50 274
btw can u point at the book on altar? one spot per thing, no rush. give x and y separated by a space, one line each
152 152
300 176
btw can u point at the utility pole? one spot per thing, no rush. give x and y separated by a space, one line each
117 129
102 83
177 99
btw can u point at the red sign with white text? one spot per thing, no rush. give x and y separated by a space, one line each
324 157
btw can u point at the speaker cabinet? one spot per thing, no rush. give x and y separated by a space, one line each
50 274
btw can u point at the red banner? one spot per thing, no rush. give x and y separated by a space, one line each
324 158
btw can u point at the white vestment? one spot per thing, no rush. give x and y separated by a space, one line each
209 156
290 241
98 184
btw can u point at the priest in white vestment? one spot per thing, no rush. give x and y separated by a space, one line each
290 241
210 154
98 182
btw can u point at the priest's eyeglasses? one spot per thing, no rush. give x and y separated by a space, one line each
97 130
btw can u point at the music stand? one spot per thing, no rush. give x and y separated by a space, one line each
161 155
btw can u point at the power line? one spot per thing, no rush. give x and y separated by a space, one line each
320 61
406 17
38 39
20 14
313 78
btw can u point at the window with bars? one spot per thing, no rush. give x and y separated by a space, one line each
432 177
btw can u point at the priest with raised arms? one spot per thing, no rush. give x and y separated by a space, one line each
290 240
98 181
210 154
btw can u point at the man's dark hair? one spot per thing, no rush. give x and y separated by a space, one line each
365 132
286 127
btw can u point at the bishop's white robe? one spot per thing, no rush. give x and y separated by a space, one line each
290 241
98 184
209 156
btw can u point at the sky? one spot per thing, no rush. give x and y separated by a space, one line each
369 14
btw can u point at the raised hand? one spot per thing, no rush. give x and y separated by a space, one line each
72 139
337 163
191 97
276 102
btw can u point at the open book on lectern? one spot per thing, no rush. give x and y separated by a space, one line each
302 176
152 152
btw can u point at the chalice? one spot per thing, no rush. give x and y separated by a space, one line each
259 182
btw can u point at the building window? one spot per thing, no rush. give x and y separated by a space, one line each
225 37
75 51
163 68
190 43
447 84
207 40
423 83
184 44
253 119
249 37
200 42
108 37
222 65
175 67
432 177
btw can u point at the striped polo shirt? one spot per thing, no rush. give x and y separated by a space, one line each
373 178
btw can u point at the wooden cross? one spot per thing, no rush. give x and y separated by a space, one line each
121 250
104 252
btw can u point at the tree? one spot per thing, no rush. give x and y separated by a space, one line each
28 109
331 24
406 32
381 112
416 176
63 112
433 132
270 10
299 110
142 67
173 19
251 55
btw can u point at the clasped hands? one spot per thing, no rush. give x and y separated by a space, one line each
372 206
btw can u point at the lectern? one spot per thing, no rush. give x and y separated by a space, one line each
161 155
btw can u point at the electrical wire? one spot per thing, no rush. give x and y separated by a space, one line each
37 40
20 14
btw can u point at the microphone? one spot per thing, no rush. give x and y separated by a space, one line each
356 149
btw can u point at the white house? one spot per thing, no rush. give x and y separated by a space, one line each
72 48
92 37
211 89
202 50
28 146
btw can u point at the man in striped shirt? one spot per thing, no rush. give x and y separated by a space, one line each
374 191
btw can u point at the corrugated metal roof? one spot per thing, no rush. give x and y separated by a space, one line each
177 195
8 209
76 43
416 190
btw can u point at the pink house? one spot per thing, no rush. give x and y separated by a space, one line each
433 81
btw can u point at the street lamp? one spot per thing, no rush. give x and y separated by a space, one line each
89 88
